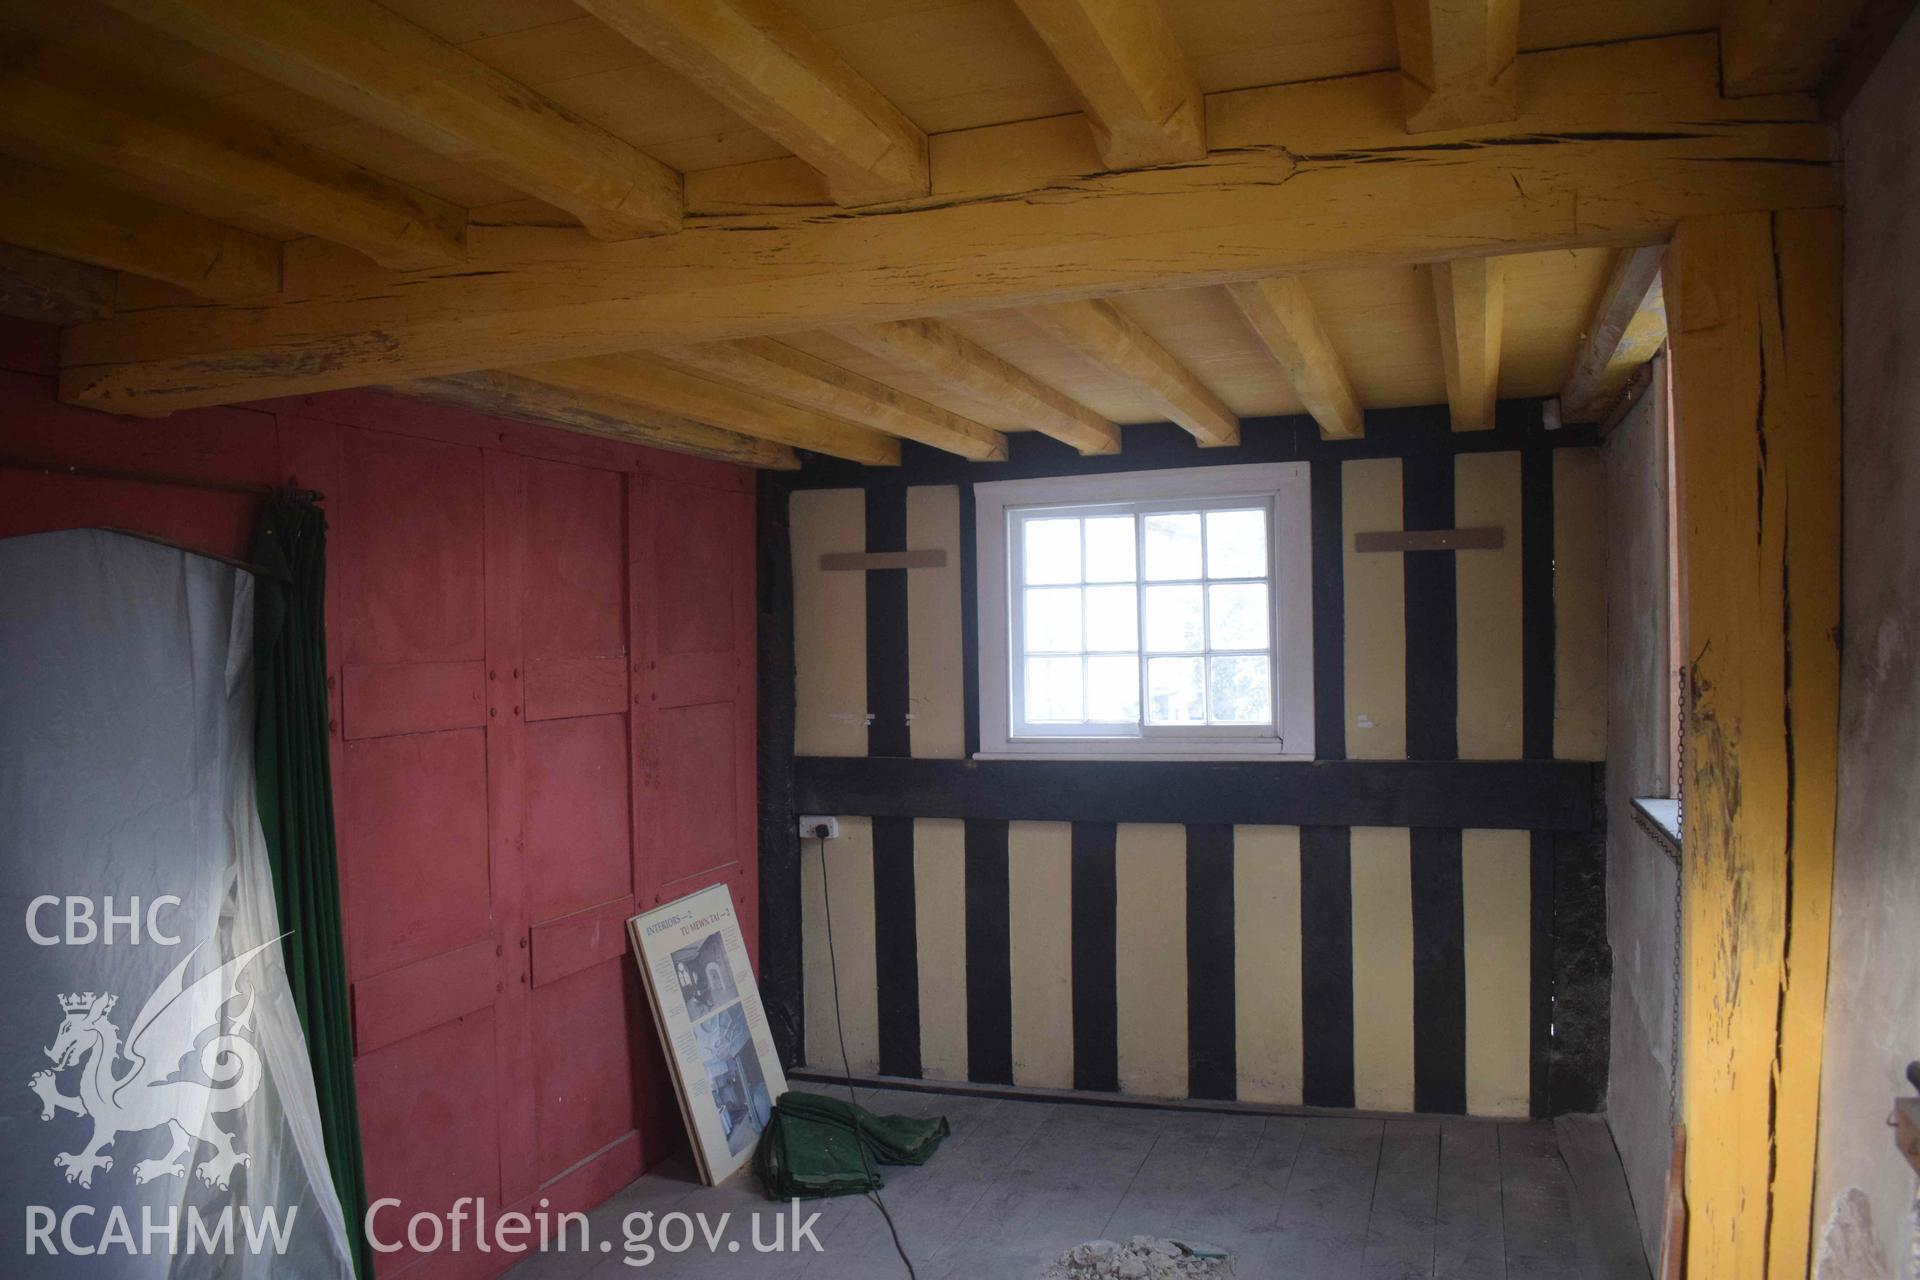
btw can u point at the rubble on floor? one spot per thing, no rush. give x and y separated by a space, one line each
1141 1258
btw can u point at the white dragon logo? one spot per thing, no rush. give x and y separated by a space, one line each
149 1094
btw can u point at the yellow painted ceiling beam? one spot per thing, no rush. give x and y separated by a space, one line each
939 352
1615 144
1458 61
63 109
1131 76
1781 46
1113 340
1469 297
1628 324
663 388
48 290
509 396
374 64
776 369
759 59
50 211
1286 322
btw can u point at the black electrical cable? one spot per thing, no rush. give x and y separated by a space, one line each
833 964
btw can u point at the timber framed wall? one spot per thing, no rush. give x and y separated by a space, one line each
1415 921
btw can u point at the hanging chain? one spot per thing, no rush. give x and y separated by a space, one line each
1679 894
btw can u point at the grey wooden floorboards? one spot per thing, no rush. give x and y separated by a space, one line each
1292 1197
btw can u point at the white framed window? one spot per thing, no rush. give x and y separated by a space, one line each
1152 614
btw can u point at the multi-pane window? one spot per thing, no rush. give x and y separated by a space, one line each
1154 623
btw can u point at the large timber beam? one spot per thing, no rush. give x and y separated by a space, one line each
1286 321
1781 46
937 351
1616 143
1458 61
372 63
782 78
65 109
49 290
1757 375
72 218
1112 339
776 369
508 396
1469 298
1140 96
1625 331
665 389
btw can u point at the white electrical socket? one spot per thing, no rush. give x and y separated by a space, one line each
815 826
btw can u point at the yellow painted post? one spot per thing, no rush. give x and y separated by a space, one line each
1756 360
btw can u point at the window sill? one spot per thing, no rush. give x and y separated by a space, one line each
1659 818
1238 755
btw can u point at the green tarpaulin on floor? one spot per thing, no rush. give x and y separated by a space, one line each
821 1146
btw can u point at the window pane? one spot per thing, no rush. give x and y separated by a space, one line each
1236 544
1113 618
1237 615
1173 546
1053 551
1174 692
1243 690
1174 620
1110 549
1113 690
1053 620
1053 689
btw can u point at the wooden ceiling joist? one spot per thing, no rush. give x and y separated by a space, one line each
1129 72
1458 61
1469 296
1252 207
1110 338
665 389
1781 46
763 365
508 396
49 290
72 218
372 63
1284 319
940 353
66 110
764 63
1627 327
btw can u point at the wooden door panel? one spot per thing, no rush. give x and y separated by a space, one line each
576 562
412 524
561 687
699 574
414 697
694 610
414 845
569 944
695 810
577 831
388 1007
586 1037
419 1099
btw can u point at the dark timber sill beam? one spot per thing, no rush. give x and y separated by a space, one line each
1535 795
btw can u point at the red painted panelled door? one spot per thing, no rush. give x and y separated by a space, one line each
695 612
546 706
430 916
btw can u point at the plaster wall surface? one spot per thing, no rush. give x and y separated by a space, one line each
1642 879
1864 1192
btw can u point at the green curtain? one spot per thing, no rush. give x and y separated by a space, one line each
296 811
